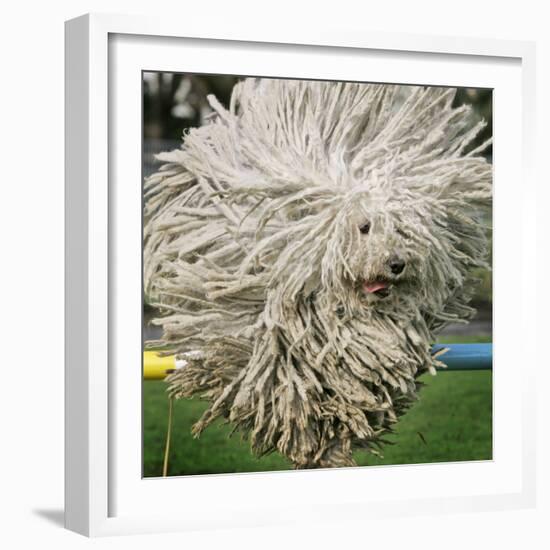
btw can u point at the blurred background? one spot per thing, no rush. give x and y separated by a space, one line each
455 420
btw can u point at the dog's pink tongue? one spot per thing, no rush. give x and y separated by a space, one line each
375 286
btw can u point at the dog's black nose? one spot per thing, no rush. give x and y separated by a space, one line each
397 266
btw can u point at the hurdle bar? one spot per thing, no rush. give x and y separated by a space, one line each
459 357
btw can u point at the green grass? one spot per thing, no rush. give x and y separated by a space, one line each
452 421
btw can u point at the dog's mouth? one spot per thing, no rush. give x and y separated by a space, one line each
378 287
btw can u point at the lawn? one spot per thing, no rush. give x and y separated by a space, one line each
452 421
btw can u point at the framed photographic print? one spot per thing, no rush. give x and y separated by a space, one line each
289 275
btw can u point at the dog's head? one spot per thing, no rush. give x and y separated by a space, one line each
389 253
405 242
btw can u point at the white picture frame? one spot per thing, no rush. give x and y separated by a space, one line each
105 494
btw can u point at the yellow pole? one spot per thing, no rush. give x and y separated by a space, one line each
156 367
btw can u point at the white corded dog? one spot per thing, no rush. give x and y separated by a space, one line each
310 241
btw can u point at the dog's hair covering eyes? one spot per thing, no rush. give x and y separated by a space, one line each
255 254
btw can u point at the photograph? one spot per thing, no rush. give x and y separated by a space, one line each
317 274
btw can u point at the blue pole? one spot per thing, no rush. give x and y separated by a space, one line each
466 356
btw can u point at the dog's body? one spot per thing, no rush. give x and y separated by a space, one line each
310 242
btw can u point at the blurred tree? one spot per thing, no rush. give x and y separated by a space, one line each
174 102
